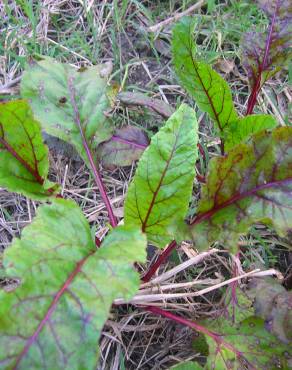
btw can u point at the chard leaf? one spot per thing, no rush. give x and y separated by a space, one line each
211 93
53 320
265 53
245 345
24 160
159 194
252 183
125 146
242 129
70 104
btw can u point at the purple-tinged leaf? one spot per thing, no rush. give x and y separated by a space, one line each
125 146
53 320
252 183
265 53
24 162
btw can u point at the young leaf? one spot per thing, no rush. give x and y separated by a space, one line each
253 183
70 104
124 147
53 320
241 130
159 195
211 93
24 160
265 53
245 345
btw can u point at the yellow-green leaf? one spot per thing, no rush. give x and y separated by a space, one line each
53 320
159 194
24 162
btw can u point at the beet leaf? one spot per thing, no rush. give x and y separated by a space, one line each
159 194
266 53
24 160
253 183
70 104
241 130
54 319
211 93
125 146
245 344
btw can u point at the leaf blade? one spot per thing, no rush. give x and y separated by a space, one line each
241 130
159 194
64 298
125 146
24 160
211 93
251 184
71 104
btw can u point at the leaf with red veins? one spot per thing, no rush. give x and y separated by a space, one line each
245 345
125 146
252 183
24 162
53 320
71 104
211 93
266 53
159 195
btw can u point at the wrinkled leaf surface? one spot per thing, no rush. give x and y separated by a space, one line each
53 320
24 160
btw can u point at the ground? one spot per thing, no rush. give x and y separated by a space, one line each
90 32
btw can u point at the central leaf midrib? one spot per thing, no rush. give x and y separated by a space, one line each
144 224
51 309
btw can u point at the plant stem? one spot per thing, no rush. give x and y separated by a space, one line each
95 172
193 325
257 86
163 256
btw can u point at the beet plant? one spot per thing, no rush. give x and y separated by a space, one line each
68 280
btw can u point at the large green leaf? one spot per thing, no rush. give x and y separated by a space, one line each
241 130
24 160
53 320
70 104
211 93
159 195
253 183
245 345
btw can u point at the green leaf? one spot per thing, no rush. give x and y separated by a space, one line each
274 304
125 146
253 183
53 320
70 104
211 93
159 194
242 129
24 160
245 345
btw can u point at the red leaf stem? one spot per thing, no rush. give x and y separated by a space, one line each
163 256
